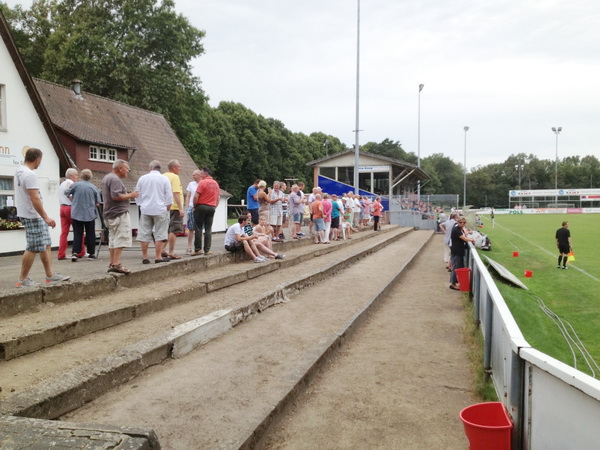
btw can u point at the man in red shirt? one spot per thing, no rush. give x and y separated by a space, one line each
206 200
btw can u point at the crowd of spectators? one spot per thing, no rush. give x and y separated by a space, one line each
329 217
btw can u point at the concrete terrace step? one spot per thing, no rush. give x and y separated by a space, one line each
228 393
54 323
90 278
55 380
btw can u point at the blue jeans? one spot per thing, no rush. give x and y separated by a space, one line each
458 262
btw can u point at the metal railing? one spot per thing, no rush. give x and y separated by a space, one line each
413 219
552 405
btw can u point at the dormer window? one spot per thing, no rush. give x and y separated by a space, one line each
102 154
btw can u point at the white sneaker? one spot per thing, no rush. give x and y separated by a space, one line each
27 282
264 258
258 260
56 277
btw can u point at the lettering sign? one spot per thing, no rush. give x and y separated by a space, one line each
553 192
373 168
11 154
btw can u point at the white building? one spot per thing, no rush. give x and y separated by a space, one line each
24 123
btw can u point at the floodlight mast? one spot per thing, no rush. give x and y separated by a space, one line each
356 128
421 86
556 131
465 171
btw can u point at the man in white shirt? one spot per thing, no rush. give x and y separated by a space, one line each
236 239
32 215
155 199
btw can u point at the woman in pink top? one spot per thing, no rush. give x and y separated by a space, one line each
327 207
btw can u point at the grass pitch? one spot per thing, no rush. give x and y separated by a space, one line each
574 294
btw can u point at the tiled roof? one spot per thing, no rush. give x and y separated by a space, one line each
94 119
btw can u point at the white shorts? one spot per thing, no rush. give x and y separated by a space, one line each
160 225
276 220
119 231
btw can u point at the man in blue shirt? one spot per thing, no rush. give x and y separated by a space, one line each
252 201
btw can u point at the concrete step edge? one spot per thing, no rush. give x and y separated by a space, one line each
15 301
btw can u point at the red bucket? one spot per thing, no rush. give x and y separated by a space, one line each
515 254
487 426
464 279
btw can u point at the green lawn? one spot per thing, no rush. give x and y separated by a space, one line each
572 294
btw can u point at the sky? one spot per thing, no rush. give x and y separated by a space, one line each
510 70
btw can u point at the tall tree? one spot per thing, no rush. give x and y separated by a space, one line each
449 174
391 149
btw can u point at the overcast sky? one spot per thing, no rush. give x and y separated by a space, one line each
508 69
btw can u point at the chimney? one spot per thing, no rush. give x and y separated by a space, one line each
76 87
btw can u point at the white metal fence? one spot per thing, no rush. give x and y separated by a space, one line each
553 406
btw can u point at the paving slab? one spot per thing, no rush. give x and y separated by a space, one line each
20 433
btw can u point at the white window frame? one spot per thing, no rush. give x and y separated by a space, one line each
3 126
104 154
7 192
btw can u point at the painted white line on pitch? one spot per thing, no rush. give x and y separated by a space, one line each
515 246
548 252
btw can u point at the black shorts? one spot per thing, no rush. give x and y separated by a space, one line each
564 249
335 222
175 222
235 247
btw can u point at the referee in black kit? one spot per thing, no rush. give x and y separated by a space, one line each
564 244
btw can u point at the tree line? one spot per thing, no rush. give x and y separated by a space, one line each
140 51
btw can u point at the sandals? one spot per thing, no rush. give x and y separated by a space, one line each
118 268
172 256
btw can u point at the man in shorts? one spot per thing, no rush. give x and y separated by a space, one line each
154 200
116 214
564 245
236 239
177 211
316 208
296 210
276 197
32 215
